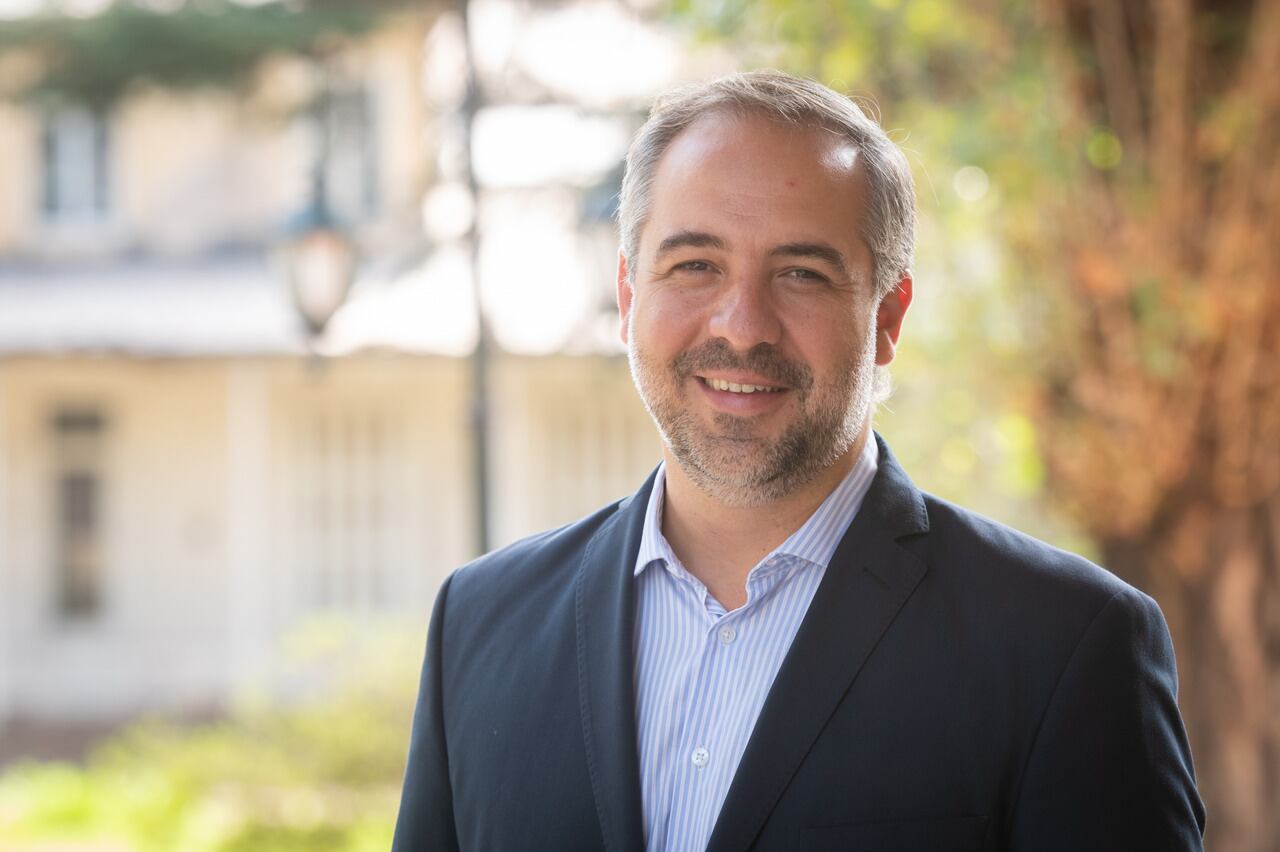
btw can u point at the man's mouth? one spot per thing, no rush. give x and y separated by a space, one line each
735 387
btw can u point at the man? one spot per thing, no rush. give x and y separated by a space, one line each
778 642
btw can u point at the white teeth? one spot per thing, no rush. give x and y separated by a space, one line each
734 387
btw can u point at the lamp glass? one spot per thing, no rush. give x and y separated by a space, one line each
321 265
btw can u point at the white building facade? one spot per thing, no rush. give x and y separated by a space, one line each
185 478
166 523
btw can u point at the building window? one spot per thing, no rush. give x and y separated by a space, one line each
76 179
346 498
351 173
78 459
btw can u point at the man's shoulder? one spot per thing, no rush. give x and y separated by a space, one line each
997 558
1027 604
552 556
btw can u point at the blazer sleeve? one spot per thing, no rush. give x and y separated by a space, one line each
426 823
1110 768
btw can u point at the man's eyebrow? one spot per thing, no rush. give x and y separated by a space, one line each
817 251
689 239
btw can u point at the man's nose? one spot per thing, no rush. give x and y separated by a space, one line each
745 313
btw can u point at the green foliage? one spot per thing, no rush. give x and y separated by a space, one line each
200 43
324 775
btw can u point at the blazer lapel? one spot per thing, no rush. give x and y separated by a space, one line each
870 577
605 615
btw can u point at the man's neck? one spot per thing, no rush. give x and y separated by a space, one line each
720 543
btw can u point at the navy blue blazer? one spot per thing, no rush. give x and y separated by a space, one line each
954 686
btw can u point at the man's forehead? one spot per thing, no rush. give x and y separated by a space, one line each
720 134
730 168
749 160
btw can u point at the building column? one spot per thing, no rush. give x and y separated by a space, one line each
248 557
7 580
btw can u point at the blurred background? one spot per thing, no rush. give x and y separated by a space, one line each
305 303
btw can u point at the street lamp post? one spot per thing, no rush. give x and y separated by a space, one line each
319 256
480 357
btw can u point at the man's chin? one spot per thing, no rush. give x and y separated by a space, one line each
729 479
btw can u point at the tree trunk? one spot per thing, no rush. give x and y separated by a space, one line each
1213 570
1160 421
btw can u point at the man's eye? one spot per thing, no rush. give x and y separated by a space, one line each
694 266
805 274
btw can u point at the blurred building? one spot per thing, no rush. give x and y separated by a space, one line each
185 477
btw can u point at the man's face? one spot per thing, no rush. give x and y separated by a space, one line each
750 319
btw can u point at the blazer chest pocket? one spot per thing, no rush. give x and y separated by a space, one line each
944 834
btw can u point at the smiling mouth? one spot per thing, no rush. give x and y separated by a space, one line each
734 387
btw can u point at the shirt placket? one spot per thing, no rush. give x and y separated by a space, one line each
700 776
702 745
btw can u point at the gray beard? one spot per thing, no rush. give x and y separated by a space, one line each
730 462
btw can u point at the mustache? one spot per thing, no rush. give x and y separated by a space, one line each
762 359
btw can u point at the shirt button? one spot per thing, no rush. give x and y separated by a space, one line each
700 757
727 635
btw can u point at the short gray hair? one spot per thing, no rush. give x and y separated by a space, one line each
889 229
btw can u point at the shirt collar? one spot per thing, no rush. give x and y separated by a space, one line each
815 541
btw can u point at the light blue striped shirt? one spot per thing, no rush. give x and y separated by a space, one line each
702 674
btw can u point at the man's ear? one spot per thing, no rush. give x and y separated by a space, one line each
624 298
889 316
